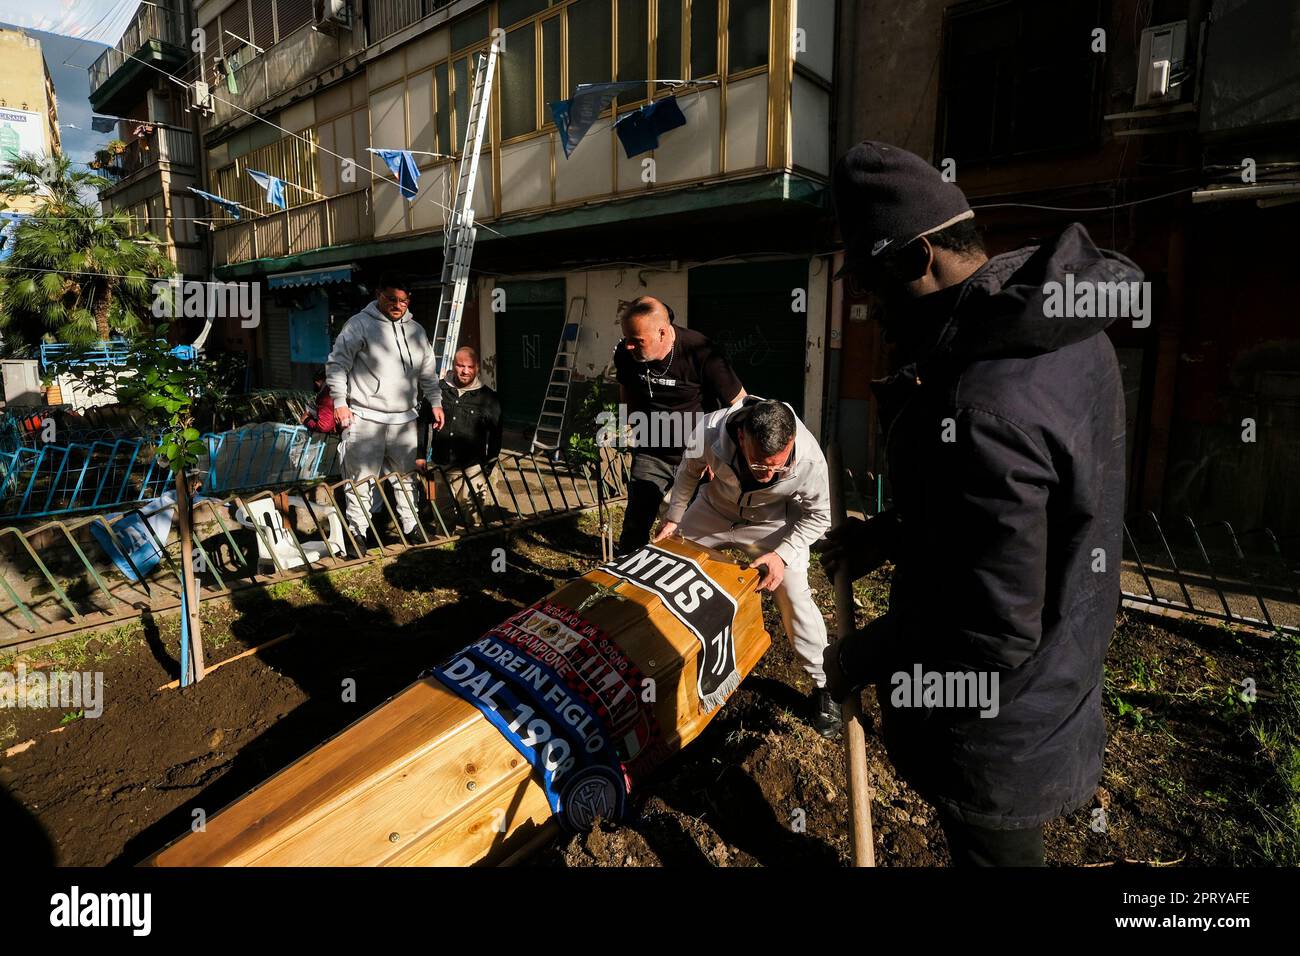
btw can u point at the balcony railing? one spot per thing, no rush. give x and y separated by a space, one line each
166 144
149 23
315 225
304 53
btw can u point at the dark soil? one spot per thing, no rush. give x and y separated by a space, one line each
1186 780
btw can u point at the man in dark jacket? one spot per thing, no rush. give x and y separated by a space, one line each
467 445
1004 423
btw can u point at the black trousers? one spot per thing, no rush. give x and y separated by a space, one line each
649 481
979 846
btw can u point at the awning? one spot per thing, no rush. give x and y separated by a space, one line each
306 277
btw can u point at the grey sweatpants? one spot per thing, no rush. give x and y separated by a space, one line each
800 615
371 449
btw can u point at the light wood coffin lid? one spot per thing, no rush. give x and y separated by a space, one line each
424 779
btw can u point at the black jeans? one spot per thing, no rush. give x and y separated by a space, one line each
979 846
650 480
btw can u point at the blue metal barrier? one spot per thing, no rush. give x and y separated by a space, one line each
42 480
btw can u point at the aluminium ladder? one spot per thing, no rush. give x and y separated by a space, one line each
550 423
458 236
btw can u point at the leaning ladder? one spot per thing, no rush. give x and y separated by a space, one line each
458 237
550 423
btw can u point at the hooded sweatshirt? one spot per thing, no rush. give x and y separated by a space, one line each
1005 445
378 367
797 503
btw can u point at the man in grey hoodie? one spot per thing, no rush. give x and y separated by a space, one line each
769 496
380 363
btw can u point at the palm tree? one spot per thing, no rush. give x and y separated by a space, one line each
74 271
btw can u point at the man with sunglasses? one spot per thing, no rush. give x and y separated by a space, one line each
1004 438
380 363
769 496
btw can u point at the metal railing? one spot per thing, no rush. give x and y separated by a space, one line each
65 576
151 22
1213 571
41 480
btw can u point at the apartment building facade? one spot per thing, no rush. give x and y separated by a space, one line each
141 81
728 222
29 112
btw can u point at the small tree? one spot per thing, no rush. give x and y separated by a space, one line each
165 390
584 448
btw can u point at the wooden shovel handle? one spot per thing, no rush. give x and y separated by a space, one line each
855 737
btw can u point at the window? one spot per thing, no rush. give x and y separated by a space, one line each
590 29
510 12
460 78
442 97
1044 92
747 33
470 30
669 49
633 50
704 38
290 15
518 65
552 88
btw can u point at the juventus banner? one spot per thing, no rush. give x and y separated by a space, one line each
697 601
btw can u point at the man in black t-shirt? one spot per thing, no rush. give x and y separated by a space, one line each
668 378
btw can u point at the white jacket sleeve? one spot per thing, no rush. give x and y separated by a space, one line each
429 384
815 503
341 357
691 468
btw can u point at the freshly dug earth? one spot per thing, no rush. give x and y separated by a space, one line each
1192 772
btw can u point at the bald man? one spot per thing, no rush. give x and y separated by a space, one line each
663 368
467 445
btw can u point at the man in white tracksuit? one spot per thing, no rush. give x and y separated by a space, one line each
380 362
770 496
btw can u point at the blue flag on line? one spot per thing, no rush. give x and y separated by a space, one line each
574 116
274 187
103 124
228 205
402 165
639 131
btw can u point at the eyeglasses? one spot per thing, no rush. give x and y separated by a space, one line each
764 470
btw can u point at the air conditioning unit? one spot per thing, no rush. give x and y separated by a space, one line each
202 96
1161 59
332 13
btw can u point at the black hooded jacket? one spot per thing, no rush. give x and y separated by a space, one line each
1005 445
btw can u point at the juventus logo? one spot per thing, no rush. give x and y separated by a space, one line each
722 644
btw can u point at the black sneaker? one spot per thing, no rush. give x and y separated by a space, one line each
826 713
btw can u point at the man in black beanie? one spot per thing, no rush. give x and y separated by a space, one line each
1004 424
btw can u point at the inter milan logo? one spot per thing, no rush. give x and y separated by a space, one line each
595 794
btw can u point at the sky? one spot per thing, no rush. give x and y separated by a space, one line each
73 33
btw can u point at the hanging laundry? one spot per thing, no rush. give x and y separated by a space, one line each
229 205
274 187
402 165
574 116
639 131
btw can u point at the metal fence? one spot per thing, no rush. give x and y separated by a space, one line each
1211 570
69 575
39 480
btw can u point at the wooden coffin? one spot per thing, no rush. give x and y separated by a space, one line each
425 779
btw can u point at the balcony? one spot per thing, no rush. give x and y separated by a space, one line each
166 144
335 221
305 53
155 38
